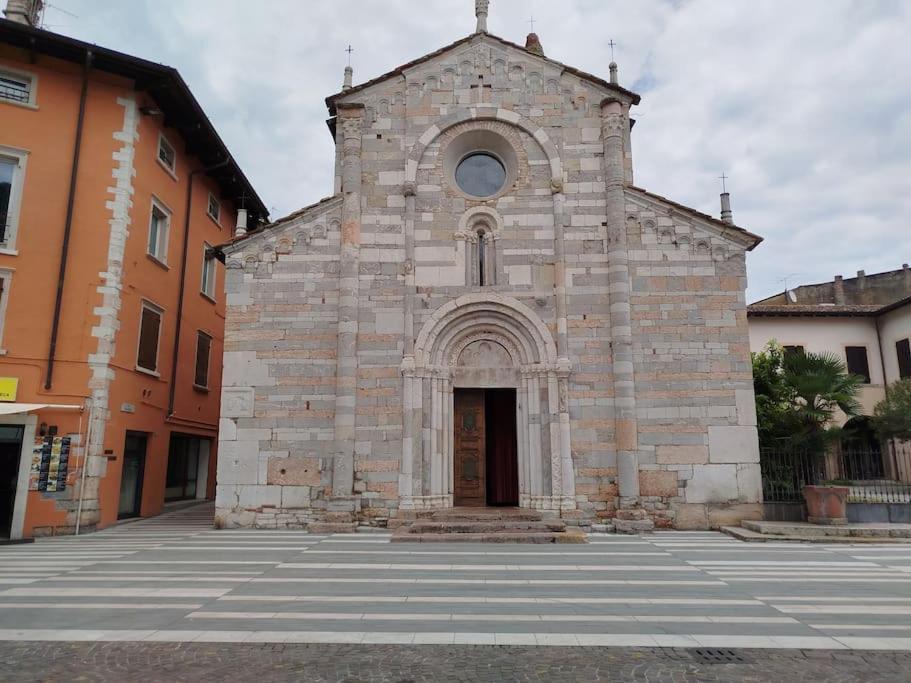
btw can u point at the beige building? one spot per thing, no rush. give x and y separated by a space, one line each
865 321
488 311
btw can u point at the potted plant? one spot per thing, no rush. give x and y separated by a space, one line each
828 502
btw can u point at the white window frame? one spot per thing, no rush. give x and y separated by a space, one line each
6 276
207 264
200 333
20 157
217 215
171 169
32 86
161 256
146 304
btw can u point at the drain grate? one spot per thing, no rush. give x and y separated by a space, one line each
714 656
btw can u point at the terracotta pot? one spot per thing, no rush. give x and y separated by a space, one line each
826 504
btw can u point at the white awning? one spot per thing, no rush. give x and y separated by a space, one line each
15 408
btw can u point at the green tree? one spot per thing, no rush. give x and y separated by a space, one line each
798 394
892 415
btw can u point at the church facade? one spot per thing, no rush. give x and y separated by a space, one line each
487 311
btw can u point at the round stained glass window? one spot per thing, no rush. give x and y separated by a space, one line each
480 175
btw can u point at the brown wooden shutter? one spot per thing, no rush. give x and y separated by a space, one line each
148 339
903 349
858 364
203 347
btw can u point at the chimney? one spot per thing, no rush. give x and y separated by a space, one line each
241 228
349 75
613 73
839 286
861 280
726 214
26 12
907 277
480 11
533 44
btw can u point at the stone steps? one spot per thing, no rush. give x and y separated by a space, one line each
484 525
503 536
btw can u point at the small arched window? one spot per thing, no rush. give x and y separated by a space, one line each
482 256
482 253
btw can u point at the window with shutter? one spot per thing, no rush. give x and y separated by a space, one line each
793 348
203 349
903 350
207 286
858 364
159 225
149 333
167 156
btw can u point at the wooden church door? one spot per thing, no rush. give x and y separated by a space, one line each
470 467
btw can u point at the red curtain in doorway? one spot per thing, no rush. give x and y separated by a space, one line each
502 455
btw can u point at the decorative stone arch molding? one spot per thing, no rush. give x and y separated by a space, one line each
521 355
482 112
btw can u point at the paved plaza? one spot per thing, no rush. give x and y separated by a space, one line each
160 599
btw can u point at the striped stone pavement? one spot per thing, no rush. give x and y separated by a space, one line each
175 579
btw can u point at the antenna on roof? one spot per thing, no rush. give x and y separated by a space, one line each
726 214
614 79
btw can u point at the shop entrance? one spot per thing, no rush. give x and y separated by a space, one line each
134 462
10 454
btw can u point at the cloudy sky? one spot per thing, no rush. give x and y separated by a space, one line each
805 105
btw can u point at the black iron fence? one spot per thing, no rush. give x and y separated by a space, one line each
872 475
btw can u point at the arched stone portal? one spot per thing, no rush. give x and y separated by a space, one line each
486 341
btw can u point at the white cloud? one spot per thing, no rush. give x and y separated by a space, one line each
807 106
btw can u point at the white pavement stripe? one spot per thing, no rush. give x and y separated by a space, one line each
818 598
862 627
557 639
460 553
447 616
174 562
379 566
326 580
286 548
119 592
843 609
484 600
156 572
777 563
99 605
800 579
11 581
165 579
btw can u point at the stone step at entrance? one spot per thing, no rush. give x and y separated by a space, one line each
485 525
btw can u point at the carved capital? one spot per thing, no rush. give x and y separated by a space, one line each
556 185
409 189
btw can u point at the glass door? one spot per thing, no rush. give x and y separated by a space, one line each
134 457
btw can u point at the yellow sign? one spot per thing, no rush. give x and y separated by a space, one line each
9 386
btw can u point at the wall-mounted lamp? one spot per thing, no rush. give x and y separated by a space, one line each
149 111
42 430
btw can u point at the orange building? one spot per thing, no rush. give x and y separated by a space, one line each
113 187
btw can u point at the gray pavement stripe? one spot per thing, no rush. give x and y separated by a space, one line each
99 605
447 616
380 566
843 609
557 639
327 580
777 563
862 627
134 592
817 598
469 553
488 600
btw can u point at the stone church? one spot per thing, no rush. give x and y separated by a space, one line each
488 312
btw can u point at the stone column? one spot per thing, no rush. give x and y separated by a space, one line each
350 118
560 270
410 386
626 429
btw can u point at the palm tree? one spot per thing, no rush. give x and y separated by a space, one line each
821 385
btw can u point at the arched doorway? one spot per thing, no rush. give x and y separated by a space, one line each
486 358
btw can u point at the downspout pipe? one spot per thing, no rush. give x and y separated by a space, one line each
172 387
68 225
